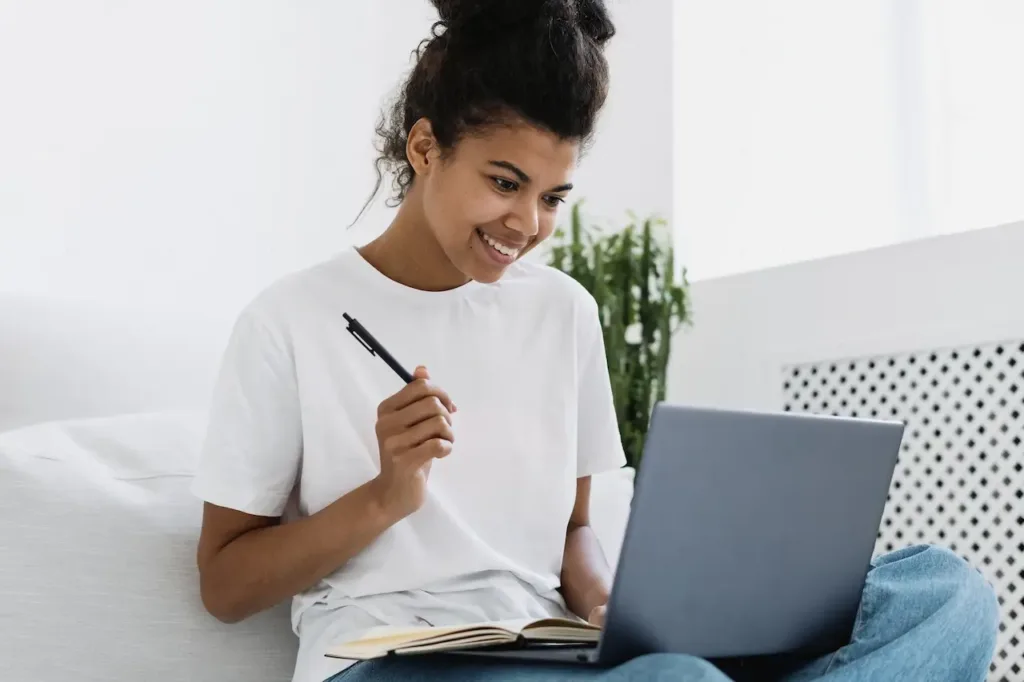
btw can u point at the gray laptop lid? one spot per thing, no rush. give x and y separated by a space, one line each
750 533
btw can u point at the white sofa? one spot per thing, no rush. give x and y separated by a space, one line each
101 419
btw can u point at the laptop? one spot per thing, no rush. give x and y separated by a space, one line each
750 535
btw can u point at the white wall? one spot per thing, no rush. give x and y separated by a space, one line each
808 129
183 154
933 293
177 153
630 166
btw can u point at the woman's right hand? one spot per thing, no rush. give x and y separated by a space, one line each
414 426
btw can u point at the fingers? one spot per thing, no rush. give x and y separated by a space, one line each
421 373
434 428
421 387
422 410
425 410
435 448
414 426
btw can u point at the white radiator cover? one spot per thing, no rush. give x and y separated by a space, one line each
959 481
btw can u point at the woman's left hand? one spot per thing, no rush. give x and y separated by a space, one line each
597 615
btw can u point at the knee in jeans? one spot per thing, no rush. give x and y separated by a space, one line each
979 601
674 666
970 593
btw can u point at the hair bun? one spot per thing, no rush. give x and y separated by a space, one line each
448 10
594 21
492 62
484 18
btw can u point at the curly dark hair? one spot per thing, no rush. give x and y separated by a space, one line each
492 61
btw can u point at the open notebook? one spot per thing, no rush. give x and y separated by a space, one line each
383 641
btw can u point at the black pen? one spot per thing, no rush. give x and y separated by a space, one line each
373 345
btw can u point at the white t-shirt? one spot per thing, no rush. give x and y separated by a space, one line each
292 421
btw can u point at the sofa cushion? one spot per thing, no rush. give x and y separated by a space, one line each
97 560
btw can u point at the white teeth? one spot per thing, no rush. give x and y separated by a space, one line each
498 246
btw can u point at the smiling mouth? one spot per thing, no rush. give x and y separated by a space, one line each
502 249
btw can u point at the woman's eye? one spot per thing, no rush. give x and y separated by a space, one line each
553 201
504 185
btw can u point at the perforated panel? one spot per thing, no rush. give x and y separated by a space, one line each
959 482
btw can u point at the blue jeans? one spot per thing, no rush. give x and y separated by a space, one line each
924 615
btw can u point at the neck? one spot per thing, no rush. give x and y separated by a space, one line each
409 253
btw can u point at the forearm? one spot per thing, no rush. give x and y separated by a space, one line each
268 565
586 576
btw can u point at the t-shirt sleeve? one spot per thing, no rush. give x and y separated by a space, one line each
251 453
599 443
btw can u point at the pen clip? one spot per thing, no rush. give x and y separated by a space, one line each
352 330
365 345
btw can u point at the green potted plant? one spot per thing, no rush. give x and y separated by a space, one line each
642 301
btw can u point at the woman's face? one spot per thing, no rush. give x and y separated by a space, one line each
495 196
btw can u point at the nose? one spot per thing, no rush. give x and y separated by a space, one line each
524 218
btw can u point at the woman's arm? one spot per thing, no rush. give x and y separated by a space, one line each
586 577
249 563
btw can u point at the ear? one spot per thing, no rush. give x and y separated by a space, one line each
421 148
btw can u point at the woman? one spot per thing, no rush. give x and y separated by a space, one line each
464 495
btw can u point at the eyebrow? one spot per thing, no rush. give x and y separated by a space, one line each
524 178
